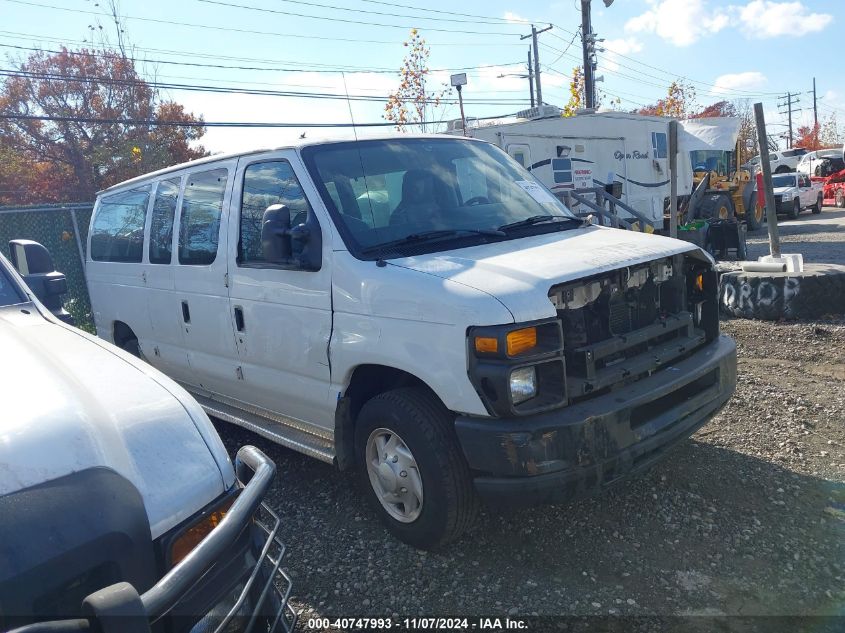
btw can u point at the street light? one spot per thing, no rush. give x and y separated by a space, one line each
458 81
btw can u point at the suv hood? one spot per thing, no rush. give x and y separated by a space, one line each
70 402
520 272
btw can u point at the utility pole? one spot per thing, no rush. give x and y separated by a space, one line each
766 168
815 106
533 36
530 78
588 46
587 43
791 99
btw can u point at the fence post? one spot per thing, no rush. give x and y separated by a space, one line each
79 244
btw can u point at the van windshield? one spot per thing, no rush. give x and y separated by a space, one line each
381 192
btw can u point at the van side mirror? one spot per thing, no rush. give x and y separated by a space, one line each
35 264
275 234
278 239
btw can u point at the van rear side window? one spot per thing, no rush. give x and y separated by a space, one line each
117 234
161 224
199 226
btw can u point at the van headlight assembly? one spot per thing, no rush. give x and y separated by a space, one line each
523 384
518 369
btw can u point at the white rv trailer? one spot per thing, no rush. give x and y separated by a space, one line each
594 149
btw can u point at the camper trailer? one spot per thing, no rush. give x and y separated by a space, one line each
591 150
595 149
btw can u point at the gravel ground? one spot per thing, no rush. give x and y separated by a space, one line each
745 518
819 238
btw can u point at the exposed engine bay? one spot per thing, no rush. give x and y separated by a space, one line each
627 323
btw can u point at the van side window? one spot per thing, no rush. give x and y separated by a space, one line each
117 234
199 226
161 224
266 184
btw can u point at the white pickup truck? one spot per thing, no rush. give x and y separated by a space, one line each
795 192
119 508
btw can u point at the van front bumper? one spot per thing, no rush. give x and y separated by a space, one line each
582 448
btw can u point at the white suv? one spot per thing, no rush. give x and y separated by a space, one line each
782 161
420 309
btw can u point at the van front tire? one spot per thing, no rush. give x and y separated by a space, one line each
405 441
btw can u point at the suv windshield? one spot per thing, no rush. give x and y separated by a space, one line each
9 292
783 181
401 191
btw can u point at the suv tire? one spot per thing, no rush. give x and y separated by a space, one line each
817 208
417 423
794 210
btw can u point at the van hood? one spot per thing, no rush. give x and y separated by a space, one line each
520 272
70 402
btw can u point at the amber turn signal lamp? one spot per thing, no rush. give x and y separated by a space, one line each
520 341
192 537
486 344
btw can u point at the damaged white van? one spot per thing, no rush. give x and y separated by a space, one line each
420 309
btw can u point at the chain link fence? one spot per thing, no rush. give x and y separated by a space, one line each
63 229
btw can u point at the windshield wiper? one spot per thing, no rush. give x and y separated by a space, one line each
428 236
539 219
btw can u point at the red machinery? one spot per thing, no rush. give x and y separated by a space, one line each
833 188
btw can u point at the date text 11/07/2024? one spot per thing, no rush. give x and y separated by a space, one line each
416 624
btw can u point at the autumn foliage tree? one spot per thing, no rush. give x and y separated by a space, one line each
576 93
413 103
679 102
74 122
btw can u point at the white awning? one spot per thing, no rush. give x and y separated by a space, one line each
718 133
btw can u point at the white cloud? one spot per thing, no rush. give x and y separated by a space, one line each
681 22
510 16
617 47
767 18
747 81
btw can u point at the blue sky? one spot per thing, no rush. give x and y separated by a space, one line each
755 49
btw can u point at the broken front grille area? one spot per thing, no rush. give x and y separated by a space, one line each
626 324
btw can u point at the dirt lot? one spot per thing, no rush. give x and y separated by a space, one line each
747 517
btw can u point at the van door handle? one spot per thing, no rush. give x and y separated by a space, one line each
239 318
186 312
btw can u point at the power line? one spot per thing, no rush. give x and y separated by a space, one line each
6 72
475 20
344 20
229 67
227 29
232 124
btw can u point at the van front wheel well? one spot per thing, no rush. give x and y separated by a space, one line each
367 381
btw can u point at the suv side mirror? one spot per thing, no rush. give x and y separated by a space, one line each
278 238
35 265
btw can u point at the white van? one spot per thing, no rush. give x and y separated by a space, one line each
421 309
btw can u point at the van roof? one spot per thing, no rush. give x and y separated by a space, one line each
299 144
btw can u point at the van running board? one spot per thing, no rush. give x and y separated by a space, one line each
296 439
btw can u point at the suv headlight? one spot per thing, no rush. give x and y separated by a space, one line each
523 384
789 195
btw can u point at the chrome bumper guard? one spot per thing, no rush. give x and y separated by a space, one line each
119 607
